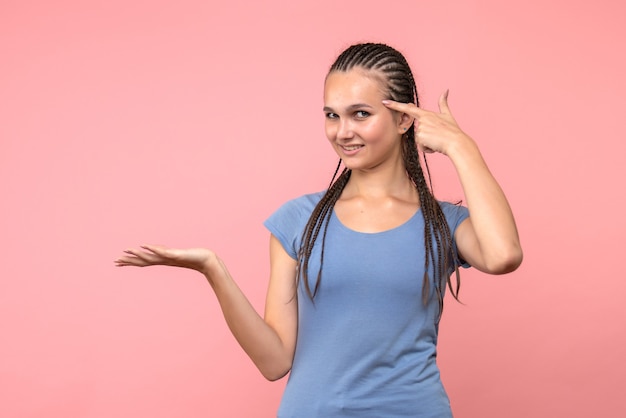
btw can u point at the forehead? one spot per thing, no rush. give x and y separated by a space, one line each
345 87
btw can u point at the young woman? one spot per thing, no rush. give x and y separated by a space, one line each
358 272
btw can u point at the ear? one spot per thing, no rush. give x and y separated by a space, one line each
405 122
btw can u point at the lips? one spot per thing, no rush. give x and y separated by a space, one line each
351 147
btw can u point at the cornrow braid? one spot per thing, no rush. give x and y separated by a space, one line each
320 216
400 84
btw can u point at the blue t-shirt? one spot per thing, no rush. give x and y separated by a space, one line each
366 344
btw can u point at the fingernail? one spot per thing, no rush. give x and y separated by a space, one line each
386 102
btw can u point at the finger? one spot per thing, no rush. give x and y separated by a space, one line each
122 263
154 249
142 256
408 108
160 253
443 103
130 261
425 149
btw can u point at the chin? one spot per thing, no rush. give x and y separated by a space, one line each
351 165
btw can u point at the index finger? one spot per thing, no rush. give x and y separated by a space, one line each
408 108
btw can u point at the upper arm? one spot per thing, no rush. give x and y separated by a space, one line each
494 257
281 303
467 245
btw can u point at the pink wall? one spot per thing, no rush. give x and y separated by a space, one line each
187 123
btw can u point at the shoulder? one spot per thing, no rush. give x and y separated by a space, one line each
455 213
307 201
290 219
300 206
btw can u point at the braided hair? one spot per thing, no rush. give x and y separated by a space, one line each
400 86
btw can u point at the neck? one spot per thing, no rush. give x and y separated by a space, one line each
380 182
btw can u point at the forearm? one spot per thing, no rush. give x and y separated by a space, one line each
258 339
490 213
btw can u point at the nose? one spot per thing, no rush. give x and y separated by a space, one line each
344 130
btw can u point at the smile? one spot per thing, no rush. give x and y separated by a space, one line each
351 147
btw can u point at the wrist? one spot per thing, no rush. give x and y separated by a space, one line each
211 267
462 146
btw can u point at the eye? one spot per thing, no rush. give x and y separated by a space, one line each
331 115
362 114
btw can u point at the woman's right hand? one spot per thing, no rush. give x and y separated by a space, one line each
200 259
270 341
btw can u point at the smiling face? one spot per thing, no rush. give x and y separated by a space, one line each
364 133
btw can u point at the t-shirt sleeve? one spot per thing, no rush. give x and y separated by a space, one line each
286 225
455 214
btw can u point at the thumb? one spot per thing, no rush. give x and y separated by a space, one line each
443 103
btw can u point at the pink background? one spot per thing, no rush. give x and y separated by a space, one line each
187 123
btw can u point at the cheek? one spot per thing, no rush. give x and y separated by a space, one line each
375 131
330 131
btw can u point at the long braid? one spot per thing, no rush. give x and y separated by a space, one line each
435 223
320 216
400 84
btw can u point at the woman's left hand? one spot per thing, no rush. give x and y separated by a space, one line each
434 131
488 239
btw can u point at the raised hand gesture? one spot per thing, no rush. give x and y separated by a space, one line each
434 131
488 240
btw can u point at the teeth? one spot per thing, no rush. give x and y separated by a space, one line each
352 148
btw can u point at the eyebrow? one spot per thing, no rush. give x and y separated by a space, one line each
350 108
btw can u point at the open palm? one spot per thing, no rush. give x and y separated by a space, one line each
156 255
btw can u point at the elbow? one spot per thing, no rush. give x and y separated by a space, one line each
506 261
274 375
276 371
